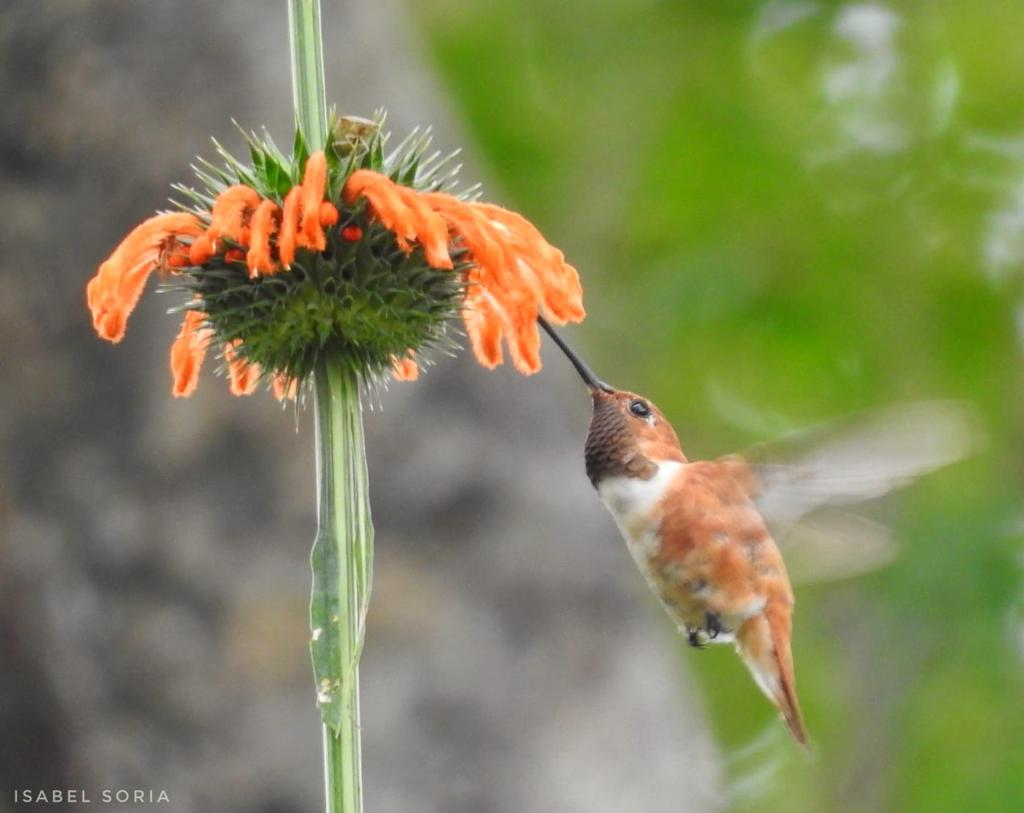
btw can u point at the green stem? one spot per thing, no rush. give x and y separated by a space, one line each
342 560
308 89
343 552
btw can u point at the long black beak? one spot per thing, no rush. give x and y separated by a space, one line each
585 372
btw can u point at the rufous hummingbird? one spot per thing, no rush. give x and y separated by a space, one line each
697 530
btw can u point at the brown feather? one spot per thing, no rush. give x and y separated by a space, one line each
763 645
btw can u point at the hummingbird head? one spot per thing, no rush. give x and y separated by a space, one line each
628 437
628 434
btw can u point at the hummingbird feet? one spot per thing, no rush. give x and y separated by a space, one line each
698 637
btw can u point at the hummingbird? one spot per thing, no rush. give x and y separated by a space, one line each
699 531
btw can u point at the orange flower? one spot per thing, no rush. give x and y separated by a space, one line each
115 290
328 214
313 184
242 375
402 211
231 212
242 216
188 352
543 268
405 369
285 388
228 218
286 239
516 275
238 214
484 326
306 213
262 228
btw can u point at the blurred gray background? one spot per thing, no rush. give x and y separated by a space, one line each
154 552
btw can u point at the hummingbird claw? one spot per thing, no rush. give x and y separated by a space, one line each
698 637
713 625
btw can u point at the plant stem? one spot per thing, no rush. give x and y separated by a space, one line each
308 88
343 552
342 560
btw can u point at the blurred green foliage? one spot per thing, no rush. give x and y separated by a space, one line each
783 212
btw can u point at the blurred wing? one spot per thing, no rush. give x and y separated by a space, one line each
858 459
828 545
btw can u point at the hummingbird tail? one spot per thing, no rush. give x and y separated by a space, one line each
763 645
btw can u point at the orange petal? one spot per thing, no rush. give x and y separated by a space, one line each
114 291
523 336
542 266
516 273
230 213
402 211
524 348
385 202
328 214
490 254
405 369
289 226
259 258
314 181
484 328
188 352
178 259
430 229
243 375
285 387
509 291
201 250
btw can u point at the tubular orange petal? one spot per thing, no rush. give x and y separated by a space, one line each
314 181
385 201
405 369
518 273
484 328
430 229
361 181
114 291
187 354
319 243
243 376
573 292
523 336
328 214
230 212
541 267
285 388
259 258
286 239
111 325
490 254
402 211
201 250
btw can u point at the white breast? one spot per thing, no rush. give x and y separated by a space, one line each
631 502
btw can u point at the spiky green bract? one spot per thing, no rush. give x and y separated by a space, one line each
355 144
363 301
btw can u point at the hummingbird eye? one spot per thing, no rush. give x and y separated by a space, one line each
639 408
